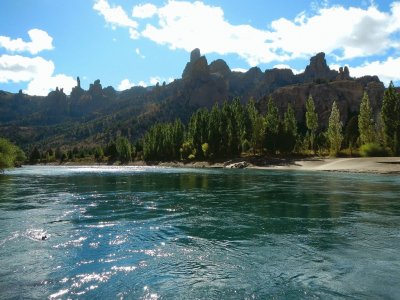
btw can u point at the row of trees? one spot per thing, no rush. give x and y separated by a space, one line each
227 132
117 150
235 128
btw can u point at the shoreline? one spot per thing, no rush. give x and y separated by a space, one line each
373 165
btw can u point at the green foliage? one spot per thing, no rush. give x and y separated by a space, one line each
366 121
187 150
123 148
372 150
198 129
288 132
99 154
351 133
257 127
334 132
272 123
206 150
10 155
34 156
391 119
311 121
163 141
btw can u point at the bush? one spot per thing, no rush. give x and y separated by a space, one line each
372 149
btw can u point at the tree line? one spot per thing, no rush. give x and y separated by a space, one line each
233 128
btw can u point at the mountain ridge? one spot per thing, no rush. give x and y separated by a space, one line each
99 114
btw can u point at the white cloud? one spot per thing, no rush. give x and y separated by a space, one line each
40 40
160 80
342 32
354 31
37 71
387 70
17 68
137 50
41 86
116 17
142 83
144 11
125 84
185 25
283 66
241 70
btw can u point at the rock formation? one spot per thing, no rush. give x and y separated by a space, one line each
318 70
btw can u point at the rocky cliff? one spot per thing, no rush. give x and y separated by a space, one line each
206 84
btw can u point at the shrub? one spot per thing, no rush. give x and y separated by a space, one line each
372 149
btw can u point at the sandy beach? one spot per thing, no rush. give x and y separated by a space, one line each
379 165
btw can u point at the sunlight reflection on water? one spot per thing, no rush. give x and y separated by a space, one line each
150 233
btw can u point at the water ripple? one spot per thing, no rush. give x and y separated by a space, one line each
151 233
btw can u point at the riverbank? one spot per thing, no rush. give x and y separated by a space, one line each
377 165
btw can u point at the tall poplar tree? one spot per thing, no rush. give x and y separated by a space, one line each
335 135
391 118
271 126
311 120
366 121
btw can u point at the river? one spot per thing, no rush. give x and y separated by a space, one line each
165 233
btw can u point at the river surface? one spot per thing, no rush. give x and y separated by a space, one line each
164 233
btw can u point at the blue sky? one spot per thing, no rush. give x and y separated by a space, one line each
47 43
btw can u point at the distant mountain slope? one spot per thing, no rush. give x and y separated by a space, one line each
99 114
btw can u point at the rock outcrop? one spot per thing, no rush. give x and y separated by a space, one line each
220 68
318 70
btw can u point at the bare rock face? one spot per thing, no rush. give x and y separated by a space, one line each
220 67
197 68
95 89
279 77
344 73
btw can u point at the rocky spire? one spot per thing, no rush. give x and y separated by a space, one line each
318 69
195 55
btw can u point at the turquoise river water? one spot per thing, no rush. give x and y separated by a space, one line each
164 233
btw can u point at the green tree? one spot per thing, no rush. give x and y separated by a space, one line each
311 121
366 121
351 133
257 128
99 154
288 136
10 155
334 132
124 150
34 156
198 129
391 118
272 123
214 134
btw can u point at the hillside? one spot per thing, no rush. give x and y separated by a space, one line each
97 115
